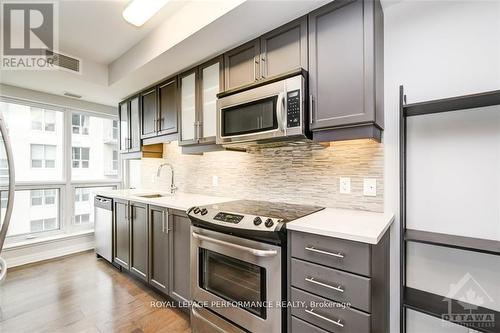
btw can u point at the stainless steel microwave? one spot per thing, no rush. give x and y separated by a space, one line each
273 111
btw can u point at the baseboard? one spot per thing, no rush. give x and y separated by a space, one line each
48 250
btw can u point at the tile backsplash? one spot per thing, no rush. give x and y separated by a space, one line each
299 174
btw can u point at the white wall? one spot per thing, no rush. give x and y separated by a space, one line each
436 49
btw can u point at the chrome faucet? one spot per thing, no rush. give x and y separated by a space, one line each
172 185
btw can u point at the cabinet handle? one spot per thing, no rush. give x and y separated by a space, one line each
311 280
195 131
163 222
313 249
167 224
255 69
198 129
160 122
311 106
335 322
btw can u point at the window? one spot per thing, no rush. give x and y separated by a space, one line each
115 129
82 219
43 225
84 206
43 120
80 124
41 197
115 161
82 195
39 137
35 210
80 157
4 168
43 156
93 155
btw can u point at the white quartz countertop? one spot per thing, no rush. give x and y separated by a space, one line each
179 200
360 226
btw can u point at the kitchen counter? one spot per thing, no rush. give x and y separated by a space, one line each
359 226
179 200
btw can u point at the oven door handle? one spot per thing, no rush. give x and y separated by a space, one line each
255 252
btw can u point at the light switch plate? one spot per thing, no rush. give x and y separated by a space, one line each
370 187
345 185
215 181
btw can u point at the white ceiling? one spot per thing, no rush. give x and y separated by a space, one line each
119 59
95 30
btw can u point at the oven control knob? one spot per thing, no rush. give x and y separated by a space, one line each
196 210
257 221
204 211
269 223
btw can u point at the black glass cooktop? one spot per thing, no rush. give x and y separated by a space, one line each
279 210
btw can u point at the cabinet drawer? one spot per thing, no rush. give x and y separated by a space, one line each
332 252
300 326
332 284
323 313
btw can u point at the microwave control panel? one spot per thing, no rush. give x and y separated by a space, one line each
293 108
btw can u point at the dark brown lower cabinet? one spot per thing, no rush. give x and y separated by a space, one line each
121 234
139 240
159 248
179 256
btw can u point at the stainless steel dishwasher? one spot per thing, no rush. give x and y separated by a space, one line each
103 227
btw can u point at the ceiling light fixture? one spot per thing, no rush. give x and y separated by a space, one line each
138 12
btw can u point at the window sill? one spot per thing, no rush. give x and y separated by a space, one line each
45 240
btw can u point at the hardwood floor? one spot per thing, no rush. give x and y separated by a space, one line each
82 294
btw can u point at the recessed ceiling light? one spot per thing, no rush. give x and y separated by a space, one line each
138 12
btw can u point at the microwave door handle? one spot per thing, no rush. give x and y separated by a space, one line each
282 112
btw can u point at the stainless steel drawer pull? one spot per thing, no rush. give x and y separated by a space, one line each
335 322
338 288
337 255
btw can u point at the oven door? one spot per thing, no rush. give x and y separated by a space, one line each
251 115
237 278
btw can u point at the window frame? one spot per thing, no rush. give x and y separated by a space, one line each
66 185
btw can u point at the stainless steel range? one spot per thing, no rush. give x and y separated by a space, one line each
238 265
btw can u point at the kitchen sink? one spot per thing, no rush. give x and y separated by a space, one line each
154 195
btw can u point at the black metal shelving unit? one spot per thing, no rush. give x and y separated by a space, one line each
419 300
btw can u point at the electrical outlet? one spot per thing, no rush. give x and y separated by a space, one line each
215 181
370 187
345 185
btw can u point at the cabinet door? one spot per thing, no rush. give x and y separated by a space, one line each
168 107
124 126
139 238
158 248
211 83
284 49
135 125
148 113
189 125
241 65
337 72
121 239
180 237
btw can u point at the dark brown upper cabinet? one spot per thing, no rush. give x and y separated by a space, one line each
346 70
130 127
149 113
198 102
168 110
242 65
284 49
159 110
275 53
